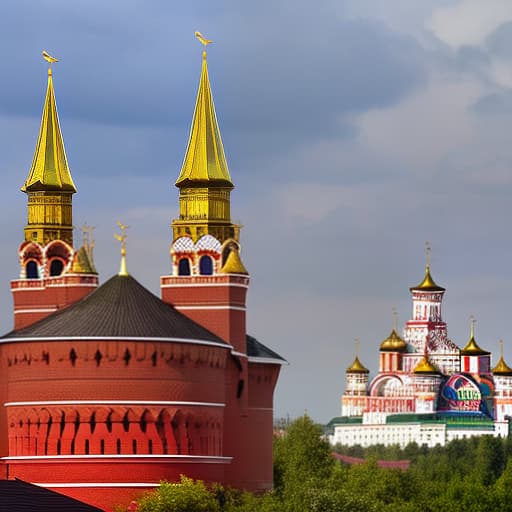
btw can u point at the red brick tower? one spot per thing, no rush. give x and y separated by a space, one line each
209 284
108 390
52 275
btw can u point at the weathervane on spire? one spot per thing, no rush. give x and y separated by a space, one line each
205 42
122 238
48 58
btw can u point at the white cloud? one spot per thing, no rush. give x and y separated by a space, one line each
469 22
424 128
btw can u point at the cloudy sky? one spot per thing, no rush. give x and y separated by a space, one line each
355 130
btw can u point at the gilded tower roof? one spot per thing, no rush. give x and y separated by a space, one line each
472 348
49 170
233 264
82 262
357 367
428 284
393 343
204 160
502 368
425 366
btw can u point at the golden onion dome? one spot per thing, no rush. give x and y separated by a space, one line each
428 284
425 367
472 348
393 343
357 367
502 368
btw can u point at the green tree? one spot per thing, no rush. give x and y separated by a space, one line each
186 495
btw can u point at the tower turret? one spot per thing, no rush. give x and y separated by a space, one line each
52 274
392 349
427 328
209 284
474 359
353 401
49 185
204 181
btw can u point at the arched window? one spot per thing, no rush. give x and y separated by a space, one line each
206 266
56 267
184 267
31 270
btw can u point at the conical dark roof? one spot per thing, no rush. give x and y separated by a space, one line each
256 349
120 308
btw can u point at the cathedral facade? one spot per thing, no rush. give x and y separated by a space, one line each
106 390
427 389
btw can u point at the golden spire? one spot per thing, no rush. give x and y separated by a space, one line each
204 160
502 368
122 238
472 348
49 184
204 181
49 170
428 284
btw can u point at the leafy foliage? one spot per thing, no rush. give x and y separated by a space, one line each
468 475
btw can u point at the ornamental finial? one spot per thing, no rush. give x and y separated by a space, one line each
48 58
472 321
395 319
501 348
357 344
205 42
122 238
428 250
88 238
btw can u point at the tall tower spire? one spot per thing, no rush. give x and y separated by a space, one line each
204 181
49 184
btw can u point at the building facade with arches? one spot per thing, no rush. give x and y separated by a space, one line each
108 389
427 390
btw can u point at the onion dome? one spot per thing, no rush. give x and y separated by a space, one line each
357 367
428 284
502 368
472 348
393 343
233 264
425 367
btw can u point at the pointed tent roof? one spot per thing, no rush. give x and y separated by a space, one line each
357 367
49 170
82 262
234 264
204 160
428 284
119 308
